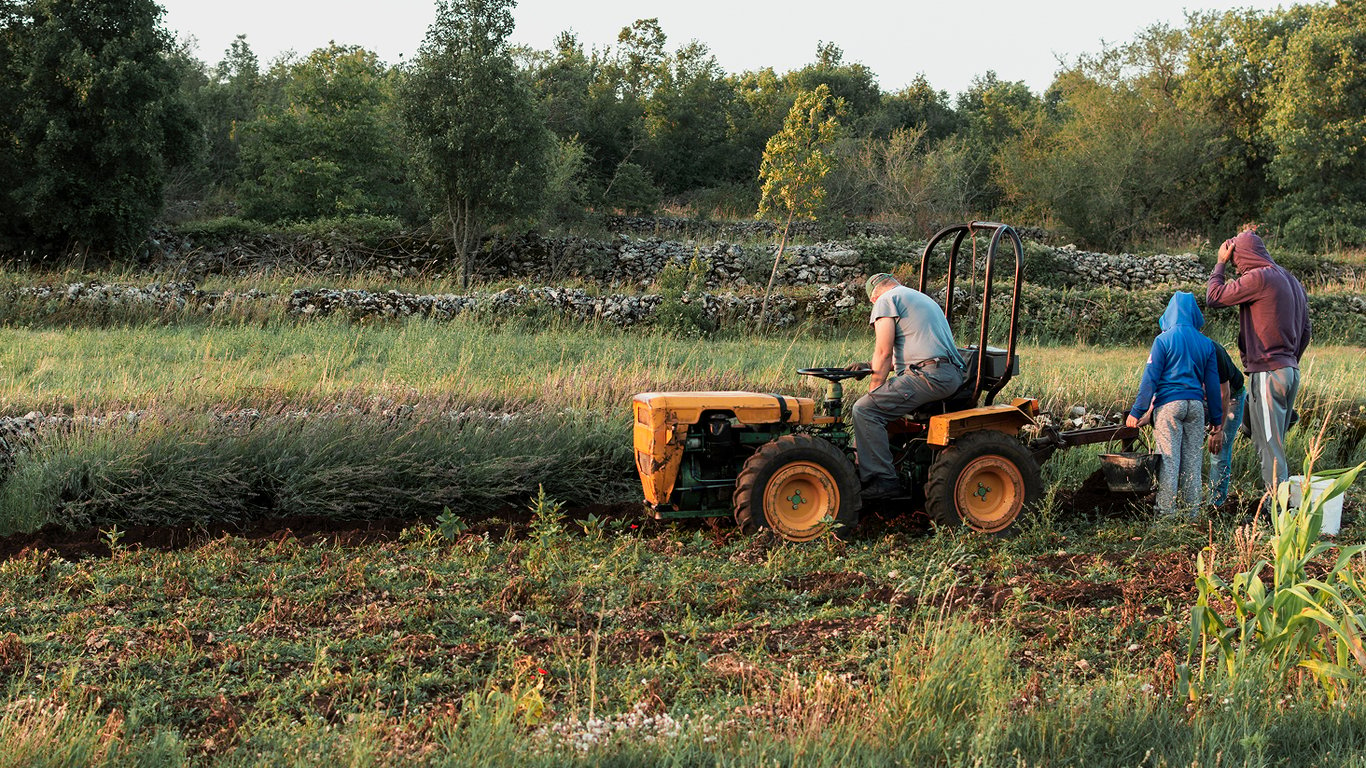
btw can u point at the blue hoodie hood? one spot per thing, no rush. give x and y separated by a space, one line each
1182 310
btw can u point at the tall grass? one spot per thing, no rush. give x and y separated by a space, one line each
197 471
321 363
406 420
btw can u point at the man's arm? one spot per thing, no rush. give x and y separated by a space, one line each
884 334
1306 327
1222 292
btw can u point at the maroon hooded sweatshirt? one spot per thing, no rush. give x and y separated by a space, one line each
1273 310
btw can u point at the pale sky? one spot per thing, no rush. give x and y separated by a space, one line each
950 42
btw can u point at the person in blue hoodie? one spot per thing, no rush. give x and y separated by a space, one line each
1181 389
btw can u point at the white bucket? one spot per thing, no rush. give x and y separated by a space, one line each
1318 486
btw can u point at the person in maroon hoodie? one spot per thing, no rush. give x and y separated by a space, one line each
1273 332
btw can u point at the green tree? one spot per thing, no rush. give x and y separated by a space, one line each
906 178
13 26
641 57
685 122
229 101
991 113
481 145
1233 67
561 82
796 162
1318 128
98 119
917 106
854 84
1124 159
331 147
760 104
632 191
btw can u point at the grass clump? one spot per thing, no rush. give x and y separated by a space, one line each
200 471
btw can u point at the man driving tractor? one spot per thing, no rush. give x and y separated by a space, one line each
912 337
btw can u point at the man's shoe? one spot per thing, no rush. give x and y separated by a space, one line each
882 489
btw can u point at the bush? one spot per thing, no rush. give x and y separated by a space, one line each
632 191
682 310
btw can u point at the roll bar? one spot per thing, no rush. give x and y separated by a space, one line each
960 232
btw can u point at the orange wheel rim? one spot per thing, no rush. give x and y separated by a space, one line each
990 493
799 498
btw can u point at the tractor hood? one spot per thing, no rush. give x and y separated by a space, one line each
662 420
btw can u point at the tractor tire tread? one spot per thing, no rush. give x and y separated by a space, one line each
749 516
944 472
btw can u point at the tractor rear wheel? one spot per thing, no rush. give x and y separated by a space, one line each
796 485
986 480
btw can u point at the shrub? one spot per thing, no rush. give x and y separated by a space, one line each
682 309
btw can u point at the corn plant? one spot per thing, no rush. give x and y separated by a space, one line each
1299 621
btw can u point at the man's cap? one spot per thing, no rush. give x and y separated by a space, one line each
877 281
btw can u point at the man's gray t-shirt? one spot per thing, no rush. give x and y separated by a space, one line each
922 332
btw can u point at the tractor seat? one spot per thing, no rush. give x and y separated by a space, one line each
999 365
959 400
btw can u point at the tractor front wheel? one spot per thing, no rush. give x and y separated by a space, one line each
985 480
796 485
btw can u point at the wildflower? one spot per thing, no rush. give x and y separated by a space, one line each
541 671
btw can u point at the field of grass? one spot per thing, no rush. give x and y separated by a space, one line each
191 367
227 424
445 616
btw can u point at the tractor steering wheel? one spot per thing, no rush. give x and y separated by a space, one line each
835 374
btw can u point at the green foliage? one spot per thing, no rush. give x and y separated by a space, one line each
682 310
93 124
917 107
796 161
1124 157
991 113
547 520
566 193
364 230
329 147
797 158
225 98
481 146
904 178
450 525
685 121
191 471
1232 68
1312 622
632 191
1318 128
853 85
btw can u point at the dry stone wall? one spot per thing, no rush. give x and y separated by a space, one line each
631 263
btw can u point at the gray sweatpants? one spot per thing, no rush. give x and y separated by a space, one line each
1270 398
1179 434
898 396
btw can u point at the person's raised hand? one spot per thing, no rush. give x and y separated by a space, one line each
1226 251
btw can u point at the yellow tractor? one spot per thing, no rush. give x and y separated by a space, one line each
787 463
